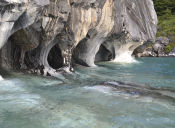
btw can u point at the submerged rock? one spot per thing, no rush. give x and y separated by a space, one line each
56 33
140 90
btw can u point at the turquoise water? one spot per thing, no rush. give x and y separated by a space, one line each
159 72
146 99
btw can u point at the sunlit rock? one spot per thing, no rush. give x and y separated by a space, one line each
44 36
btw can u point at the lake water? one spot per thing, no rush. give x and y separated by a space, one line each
111 95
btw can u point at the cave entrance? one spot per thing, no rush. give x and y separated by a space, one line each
55 58
103 54
11 53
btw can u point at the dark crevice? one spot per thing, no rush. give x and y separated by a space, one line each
55 58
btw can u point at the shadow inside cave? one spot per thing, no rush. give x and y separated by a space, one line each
55 58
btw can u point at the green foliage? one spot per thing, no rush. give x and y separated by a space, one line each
169 47
166 14
166 27
164 7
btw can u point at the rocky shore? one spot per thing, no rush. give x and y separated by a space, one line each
49 36
162 47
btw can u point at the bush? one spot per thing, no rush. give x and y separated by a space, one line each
169 47
166 15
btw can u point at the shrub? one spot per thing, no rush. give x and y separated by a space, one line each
169 47
166 15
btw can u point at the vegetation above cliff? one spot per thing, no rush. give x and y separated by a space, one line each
166 14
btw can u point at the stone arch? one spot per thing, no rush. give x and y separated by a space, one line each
43 60
16 47
87 49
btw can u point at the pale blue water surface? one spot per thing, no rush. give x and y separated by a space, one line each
81 100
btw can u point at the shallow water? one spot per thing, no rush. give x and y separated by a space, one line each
83 100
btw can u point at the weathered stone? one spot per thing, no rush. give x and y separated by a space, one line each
153 49
45 34
158 47
126 30
162 40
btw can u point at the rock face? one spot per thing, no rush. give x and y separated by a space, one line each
162 47
46 35
18 14
146 50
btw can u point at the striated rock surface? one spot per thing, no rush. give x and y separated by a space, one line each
47 36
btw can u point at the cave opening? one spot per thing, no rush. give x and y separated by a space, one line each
55 58
103 54
11 54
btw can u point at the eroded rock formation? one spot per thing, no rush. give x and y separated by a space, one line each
46 35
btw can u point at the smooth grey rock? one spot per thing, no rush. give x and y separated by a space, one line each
132 23
40 31
17 14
